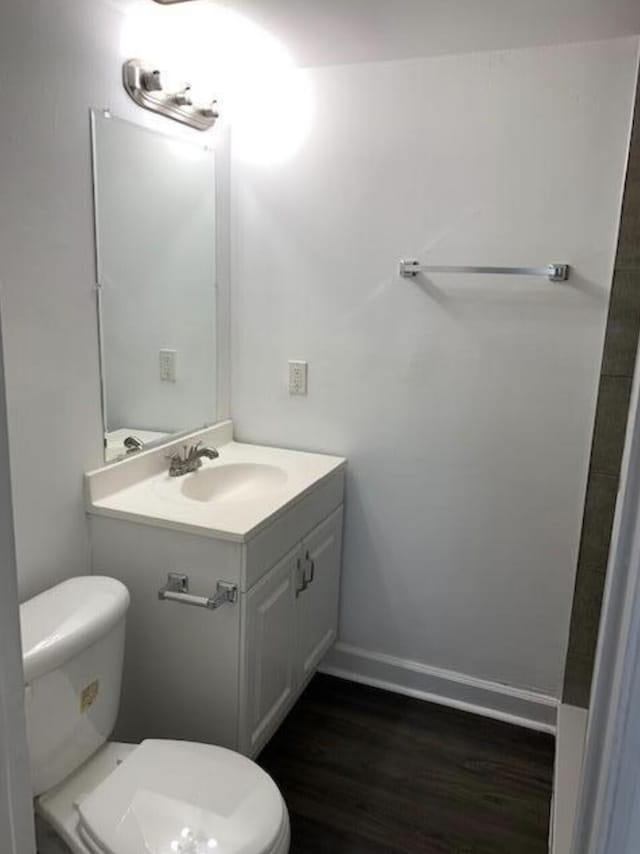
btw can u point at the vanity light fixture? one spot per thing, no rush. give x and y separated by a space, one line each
146 87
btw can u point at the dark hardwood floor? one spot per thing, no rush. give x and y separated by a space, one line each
364 771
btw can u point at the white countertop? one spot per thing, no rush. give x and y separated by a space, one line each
238 514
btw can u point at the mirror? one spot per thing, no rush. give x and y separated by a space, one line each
155 223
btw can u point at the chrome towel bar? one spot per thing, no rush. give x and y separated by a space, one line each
177 590
553 272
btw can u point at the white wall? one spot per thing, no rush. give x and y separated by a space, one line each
56 61
465 405
54 66
465 410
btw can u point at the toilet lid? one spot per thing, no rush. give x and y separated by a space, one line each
177 797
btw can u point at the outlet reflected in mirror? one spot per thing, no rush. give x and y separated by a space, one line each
155 255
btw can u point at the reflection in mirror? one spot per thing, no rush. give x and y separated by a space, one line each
155 258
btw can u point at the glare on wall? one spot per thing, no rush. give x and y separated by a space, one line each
265 99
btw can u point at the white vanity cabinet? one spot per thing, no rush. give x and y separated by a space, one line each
226 676
290 619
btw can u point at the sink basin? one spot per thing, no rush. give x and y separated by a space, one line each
231 482
230 498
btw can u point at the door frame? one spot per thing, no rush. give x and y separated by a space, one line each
16 809
610 790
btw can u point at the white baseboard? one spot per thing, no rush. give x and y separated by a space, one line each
446 687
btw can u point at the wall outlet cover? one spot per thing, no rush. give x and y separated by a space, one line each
168 359
298 377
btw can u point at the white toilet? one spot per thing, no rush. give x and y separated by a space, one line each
101 797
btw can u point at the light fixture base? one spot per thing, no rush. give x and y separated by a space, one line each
144 86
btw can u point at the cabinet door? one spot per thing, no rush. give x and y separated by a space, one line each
318 601
269 672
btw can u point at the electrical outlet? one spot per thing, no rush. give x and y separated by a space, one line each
168 365
298 377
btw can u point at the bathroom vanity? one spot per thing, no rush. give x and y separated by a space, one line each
220 651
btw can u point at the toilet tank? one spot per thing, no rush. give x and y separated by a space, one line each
72 650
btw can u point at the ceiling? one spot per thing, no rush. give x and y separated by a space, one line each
333 32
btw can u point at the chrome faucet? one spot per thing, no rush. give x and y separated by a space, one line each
190 459
133 444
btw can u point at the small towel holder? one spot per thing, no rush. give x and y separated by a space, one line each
177 590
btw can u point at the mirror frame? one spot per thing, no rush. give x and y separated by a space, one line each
218 141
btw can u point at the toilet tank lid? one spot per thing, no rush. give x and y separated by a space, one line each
58 624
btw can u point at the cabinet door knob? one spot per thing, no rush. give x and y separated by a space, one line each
312 567
304 583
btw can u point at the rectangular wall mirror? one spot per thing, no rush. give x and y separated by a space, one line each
155 223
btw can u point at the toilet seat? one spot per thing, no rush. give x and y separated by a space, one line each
187 798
